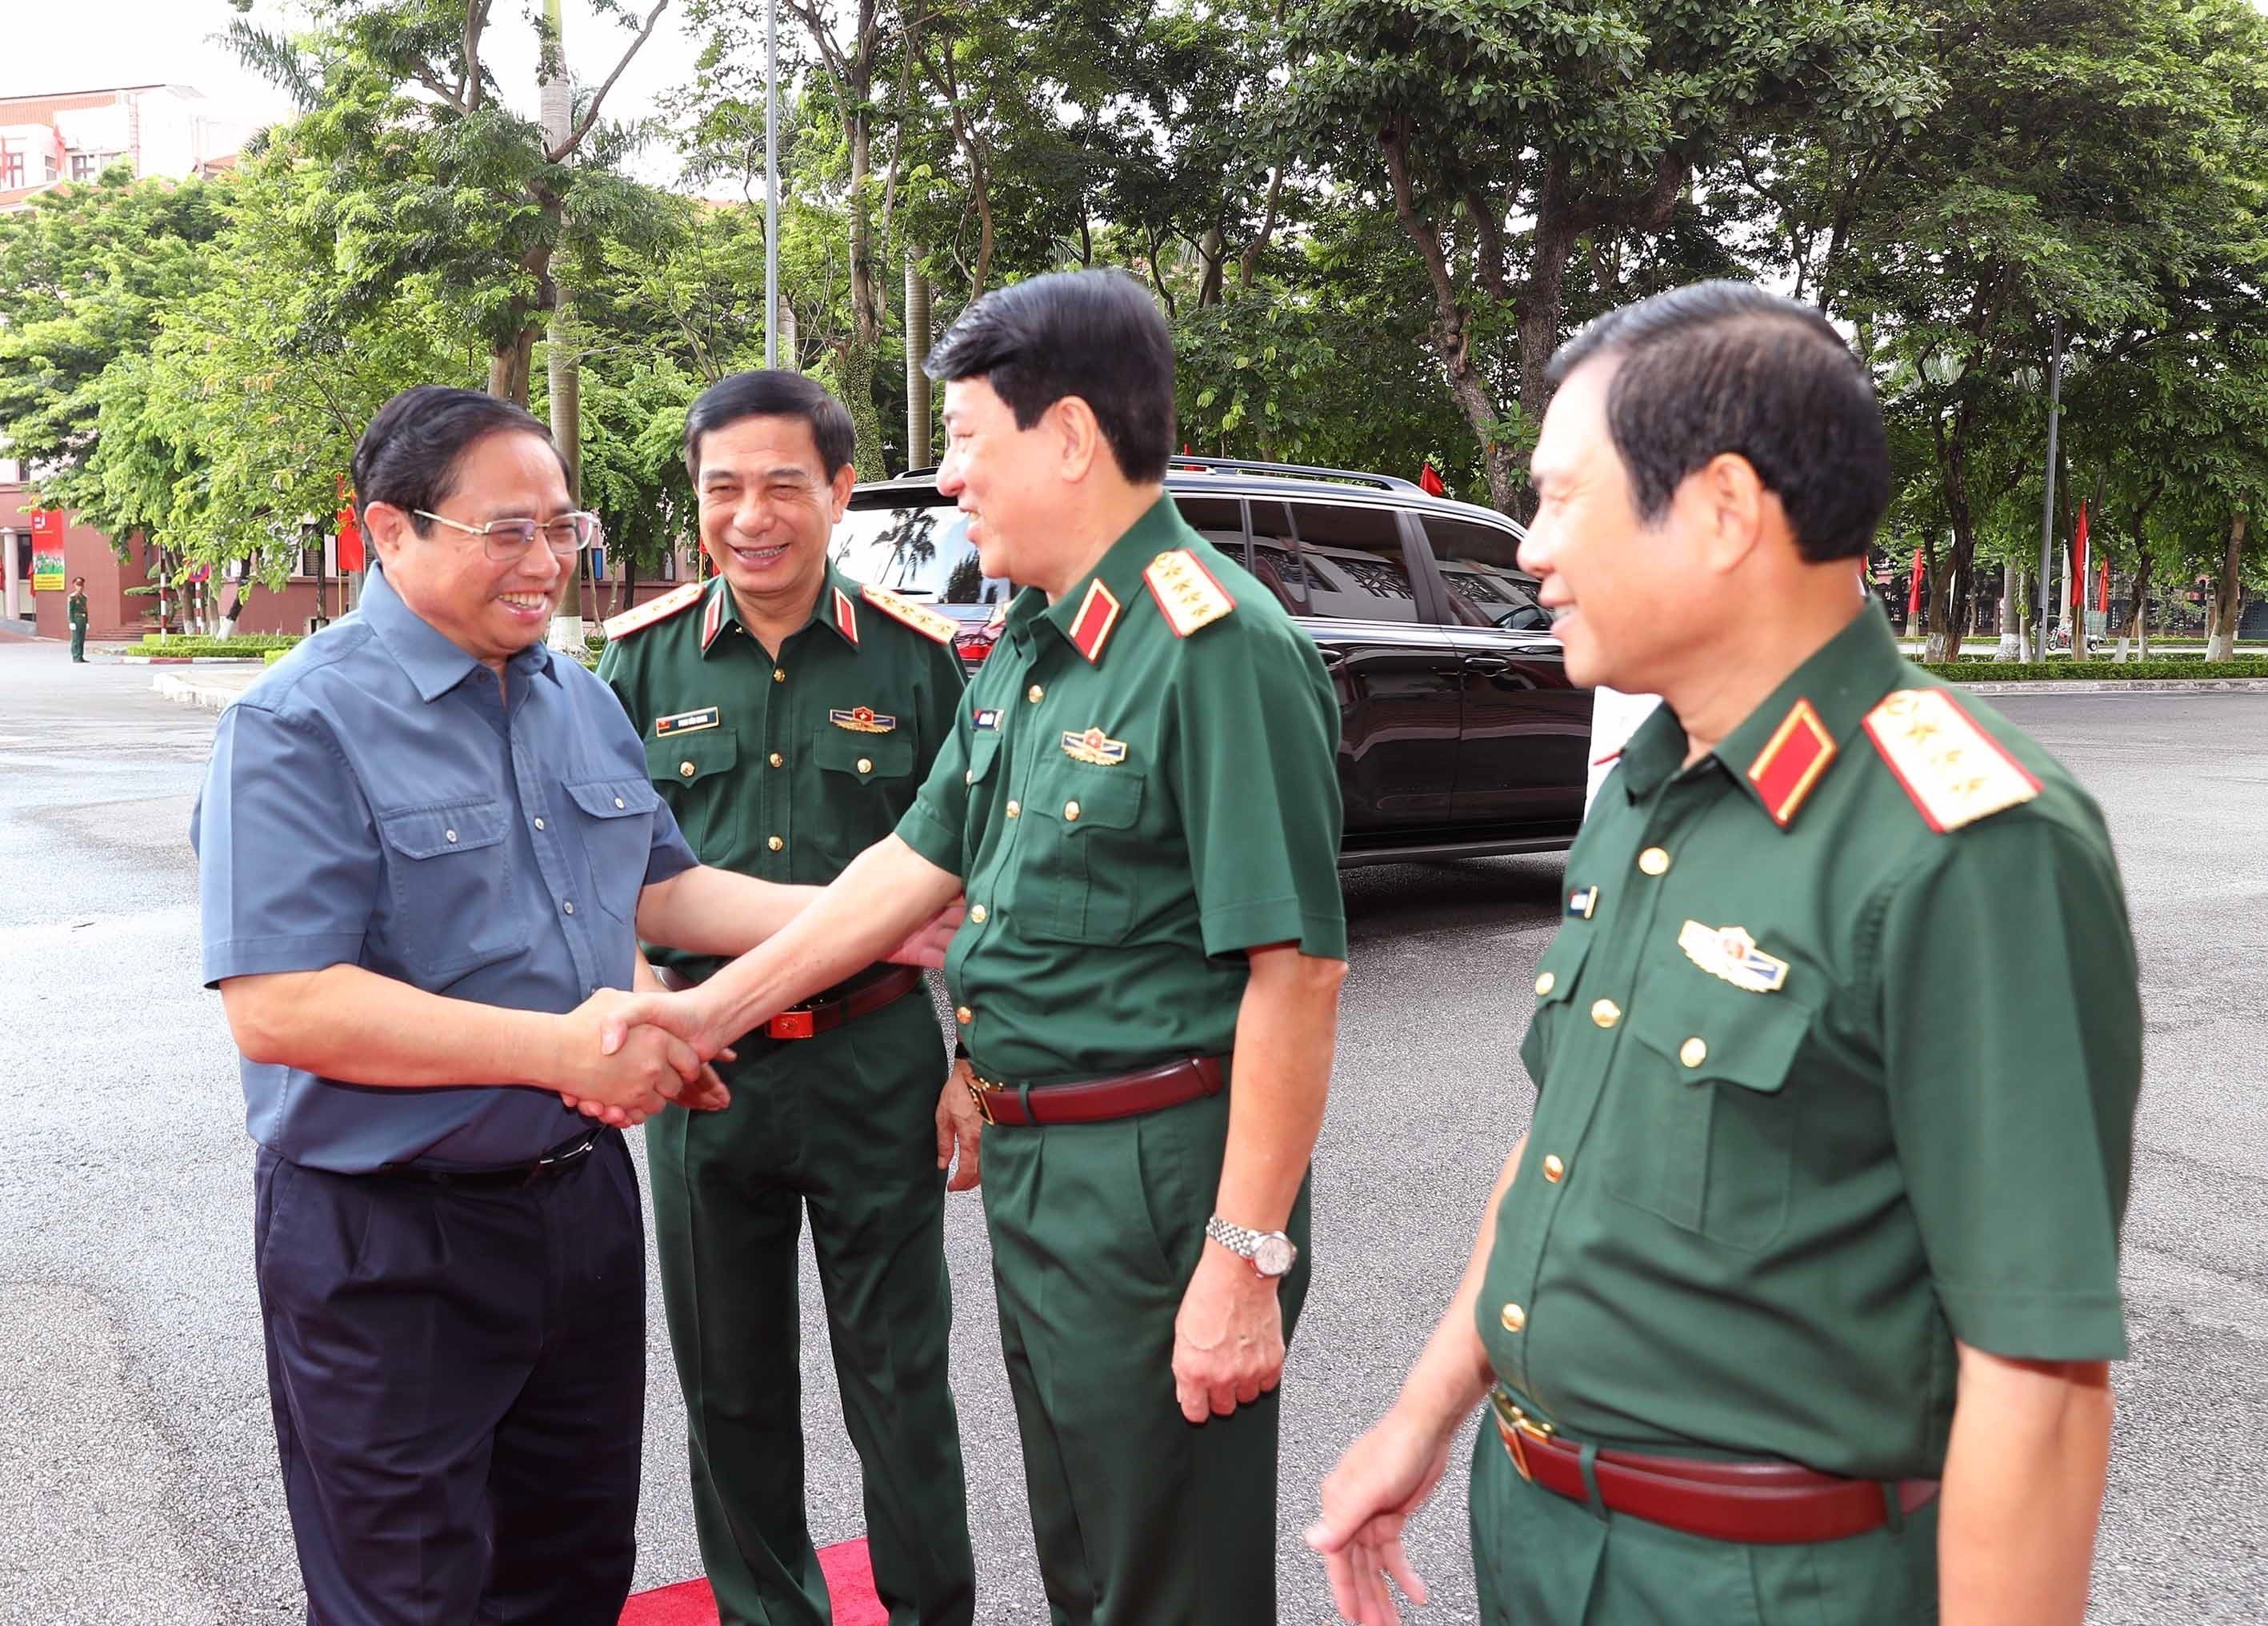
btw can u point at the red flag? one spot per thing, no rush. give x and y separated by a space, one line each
2078 559
2102 593
349 541
1430 482
1913 594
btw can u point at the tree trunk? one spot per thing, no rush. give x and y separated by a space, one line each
855 357
1949 580
919 437
2011 639
1212 250
1451 338
2227 596
1543 300
554 100
786 319
509 366
858 350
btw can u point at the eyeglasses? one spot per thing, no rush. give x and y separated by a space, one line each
505 540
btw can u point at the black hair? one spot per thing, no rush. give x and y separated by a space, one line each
1725 366
1096 335
771 393
411 453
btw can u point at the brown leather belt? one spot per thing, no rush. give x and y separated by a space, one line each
1758 1503
815 1017
1096 1100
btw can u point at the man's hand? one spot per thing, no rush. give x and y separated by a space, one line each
1383 1479
926 948
959 1126
689 1015
633 1078
1228 1339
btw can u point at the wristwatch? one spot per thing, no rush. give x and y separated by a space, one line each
1271 1253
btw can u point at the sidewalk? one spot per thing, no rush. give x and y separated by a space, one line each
211 687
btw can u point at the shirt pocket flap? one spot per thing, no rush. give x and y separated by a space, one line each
984 751
1090 798
1562 964
864 756
685 760
453 826
614 798
1746 1038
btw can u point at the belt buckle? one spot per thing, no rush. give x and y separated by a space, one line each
978 1091
1517 1428
796 1022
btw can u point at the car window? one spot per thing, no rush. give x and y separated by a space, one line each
1479 564
919 548
1217 518
1333 559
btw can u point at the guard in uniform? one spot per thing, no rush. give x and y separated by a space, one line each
1795 1303
1140 801
783 757
75 606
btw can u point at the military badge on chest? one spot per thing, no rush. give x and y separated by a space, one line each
1730 953
1093 746
863 720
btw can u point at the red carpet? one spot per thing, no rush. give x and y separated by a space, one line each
850 1584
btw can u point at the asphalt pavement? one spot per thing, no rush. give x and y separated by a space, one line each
137 1473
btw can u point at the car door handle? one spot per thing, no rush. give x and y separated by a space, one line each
1333 657
1488 666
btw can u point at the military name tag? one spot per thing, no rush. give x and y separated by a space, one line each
861 720
1582 902
1730 953
1093 746
985 718
685 723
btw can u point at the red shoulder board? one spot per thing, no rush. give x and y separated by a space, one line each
1185 592
640 616
1792 763
922 620
1954 771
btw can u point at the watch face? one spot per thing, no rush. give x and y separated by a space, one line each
1274 1255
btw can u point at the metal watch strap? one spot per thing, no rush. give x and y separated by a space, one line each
1246 1244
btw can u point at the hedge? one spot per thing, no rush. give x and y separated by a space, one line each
250 646
2092 671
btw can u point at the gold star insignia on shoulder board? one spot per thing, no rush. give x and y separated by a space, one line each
1185 592
638 617
1955 772
926 621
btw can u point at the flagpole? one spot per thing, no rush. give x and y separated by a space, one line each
771 183
2047 507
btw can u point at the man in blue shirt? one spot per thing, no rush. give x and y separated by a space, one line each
428 849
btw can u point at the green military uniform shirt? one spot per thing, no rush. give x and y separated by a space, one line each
1836 1053
1129 807
75 607
787 768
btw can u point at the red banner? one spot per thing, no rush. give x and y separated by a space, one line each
349 541
2103 593
1913 594
1430 482
2079 564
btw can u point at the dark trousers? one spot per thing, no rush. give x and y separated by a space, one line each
842 1128
459 1385
78 642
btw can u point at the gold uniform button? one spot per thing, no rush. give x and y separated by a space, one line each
1034 693
1606 1013
1654 861
779 674
775 843
777 761
964 1016
686 768
1014 808
866 765
1070 812
1514 1318
1693 1052
977 914
1545 983
1555 1169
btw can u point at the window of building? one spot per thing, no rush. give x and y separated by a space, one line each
12 167
87 165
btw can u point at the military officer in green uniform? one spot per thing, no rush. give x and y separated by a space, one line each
75 606
1796 1301
1140 802
790 717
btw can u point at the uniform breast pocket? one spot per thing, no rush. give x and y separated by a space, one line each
694 773
1557 978
874 759
1077 881
616 825
450 869
1705 1131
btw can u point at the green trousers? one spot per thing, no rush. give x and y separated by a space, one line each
78 641
842 1126
1542 1560
1141 1518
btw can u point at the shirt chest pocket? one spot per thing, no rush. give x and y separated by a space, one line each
1702 1125
849 758
1557 978
450 870
694 772
616 826
1078 878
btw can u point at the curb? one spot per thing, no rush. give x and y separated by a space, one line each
188 660
191 692
2125 686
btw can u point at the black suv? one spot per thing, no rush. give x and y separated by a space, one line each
1460 735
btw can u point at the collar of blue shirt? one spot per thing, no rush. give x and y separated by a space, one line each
428 659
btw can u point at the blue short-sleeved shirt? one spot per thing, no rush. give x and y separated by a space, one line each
371 802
